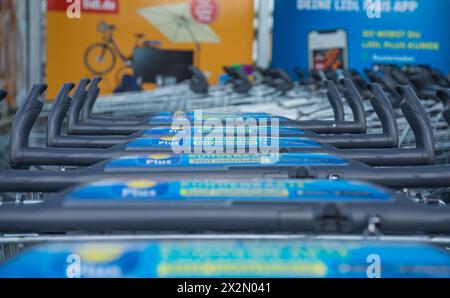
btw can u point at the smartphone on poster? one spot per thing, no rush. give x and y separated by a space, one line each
327 49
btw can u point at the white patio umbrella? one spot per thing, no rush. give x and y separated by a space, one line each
176 23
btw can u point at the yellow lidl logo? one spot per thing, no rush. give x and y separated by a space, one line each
141 184
169 139
159 156
100 253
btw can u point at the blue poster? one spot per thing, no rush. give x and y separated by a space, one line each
229 258
392 31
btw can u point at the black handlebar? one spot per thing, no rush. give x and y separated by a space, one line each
446 115
417 118
335 101
91 97
55 122
21 154
77 104
355 101
23 123
281 80
420 124
57 114
121 127
3 94
241 84
198 82
384 111
444 96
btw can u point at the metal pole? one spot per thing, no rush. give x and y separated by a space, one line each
264 37
35 41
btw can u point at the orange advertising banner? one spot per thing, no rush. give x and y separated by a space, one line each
112 38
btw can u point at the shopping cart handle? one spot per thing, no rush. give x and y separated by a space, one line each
91 97
389 85
446 115
444 96
24 120
20 154
3 94
77 104
239 80
387 139
383 108
87 101
198 82
58 112
423 154
418 119
335 101
241 84
60 215
227 70
78 99
359 81
402 78
421 80
55 122
101 126
299 73
355 101
281 80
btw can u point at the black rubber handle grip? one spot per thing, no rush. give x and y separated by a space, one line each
81 88
3 94
21 155
389 85
299 73
383 108
444 96
196 72
446 115
242 84
91 97
335 100
282 80
77 103
198 82
24 122
385 112
228 71
355 101
420 124
395 177
32 100
418 119
63 98
58 113
55 122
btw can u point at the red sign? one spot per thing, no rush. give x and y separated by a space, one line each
205 11
97 6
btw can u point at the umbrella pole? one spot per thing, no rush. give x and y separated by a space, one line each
198 46
198 55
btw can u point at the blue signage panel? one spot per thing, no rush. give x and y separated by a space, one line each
393 31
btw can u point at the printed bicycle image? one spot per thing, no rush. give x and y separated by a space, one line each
101 57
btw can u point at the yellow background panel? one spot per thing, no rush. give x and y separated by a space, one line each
68 39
